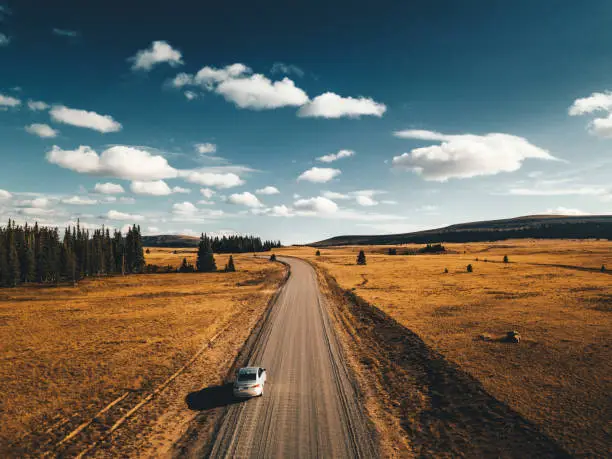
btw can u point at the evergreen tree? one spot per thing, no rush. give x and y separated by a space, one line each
273 257
469 268
318 253
361 258
206 259
230 268
505 258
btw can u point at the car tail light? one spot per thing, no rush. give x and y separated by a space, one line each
256 386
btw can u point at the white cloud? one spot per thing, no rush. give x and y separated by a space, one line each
5 195
79 201
214 179
182 79
205 202
319 174
125 200
207 192
184 208
37 105
365 201
190 95
209 75
467 155
318 205
245 199
159 52
335 195
122 216
108 188
287 69
4 40
268 190
206 148
118 161
565 211
41 130
336 156
153 188
178 189
8 101
601 127
84 119
258 92
331 105
597 101
280 211
152 230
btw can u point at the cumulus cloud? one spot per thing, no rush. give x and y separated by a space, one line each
596 102
4 40
206 148
336 156
84 119
319 174
209 75
258 92
245 199
155 188
318 205
334 195
184 208
159 51
41 130
365 200
267 190
8 101
331 105
466 155
280 211
108 188
37 105
5 195
182 79
122 216
79 201
118 161
214 179
207 192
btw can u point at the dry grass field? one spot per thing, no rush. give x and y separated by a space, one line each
68 351
560 375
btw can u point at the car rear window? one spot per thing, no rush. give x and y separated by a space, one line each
247 377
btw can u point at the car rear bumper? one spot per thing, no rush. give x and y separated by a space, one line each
249 392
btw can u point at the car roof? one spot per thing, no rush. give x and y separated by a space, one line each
249 370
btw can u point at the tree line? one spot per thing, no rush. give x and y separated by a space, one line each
224 244
40 254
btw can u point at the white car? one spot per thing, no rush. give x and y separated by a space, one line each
250 382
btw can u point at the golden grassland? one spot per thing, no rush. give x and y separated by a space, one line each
560 375
69 350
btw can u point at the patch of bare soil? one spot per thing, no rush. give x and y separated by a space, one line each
422 404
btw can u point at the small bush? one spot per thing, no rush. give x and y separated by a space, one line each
445 270
476 259
186 267
273 257
318 254
505 258
361 258
392 251
469 268
148 251
603 268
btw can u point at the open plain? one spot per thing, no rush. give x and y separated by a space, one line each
556 381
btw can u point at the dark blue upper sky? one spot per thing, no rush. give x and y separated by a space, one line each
445 68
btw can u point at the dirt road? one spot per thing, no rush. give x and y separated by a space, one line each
310 407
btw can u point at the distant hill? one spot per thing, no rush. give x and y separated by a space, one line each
532 226
170 240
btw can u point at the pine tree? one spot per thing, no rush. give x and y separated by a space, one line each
206 259
361 258
318 253
505 258
273 257
230 268
469 268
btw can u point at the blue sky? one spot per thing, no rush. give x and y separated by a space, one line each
303 122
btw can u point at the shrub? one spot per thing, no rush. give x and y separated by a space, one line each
392 251
186 267
148 251
603 268
505 258
273 257
432 248
469 268
445 270
361 258
318 254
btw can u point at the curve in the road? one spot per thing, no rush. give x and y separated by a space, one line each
310 407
